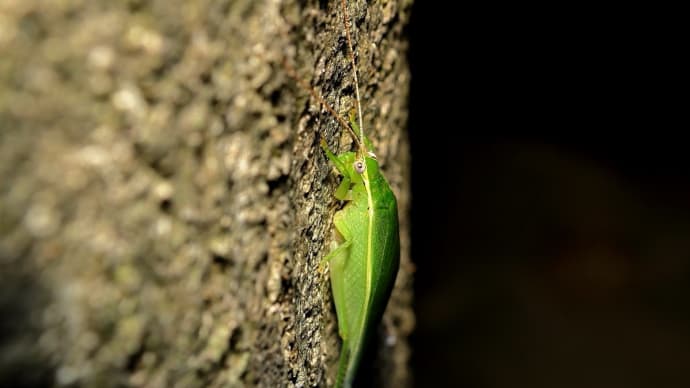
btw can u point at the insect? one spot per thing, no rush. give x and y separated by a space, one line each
363 267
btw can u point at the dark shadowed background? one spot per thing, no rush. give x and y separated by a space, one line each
551 203
550 189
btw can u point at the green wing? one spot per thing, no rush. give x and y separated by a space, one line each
362 280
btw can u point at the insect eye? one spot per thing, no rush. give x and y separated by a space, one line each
359 166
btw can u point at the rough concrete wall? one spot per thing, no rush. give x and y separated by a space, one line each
163 200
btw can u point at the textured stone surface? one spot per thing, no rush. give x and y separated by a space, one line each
163 200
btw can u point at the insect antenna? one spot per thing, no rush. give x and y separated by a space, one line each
293 74
354 72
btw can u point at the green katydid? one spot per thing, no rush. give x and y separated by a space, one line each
363 268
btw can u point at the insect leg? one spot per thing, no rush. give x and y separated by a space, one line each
343 190
337 162
339 250
337 258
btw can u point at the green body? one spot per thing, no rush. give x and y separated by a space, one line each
364 266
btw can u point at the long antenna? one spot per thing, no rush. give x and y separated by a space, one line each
354 72
293 74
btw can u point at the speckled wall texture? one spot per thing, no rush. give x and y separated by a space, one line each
163 200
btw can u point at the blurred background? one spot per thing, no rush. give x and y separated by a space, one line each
550 213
